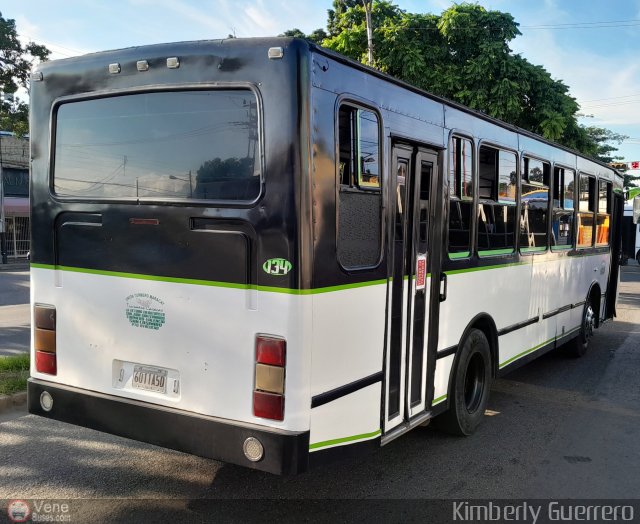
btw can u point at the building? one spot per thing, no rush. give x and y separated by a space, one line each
14 158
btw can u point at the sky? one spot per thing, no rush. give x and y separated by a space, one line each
591 45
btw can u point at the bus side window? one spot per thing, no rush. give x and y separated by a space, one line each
460 197
359 238
563 198
534 199
586 210
604 213
497 202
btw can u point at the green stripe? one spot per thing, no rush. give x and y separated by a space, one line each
464 254
496 252
532 249
212 283
335 441
438 400
560 248
520 355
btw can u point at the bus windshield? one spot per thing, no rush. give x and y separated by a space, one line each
200 145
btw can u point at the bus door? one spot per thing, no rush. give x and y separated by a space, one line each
412 175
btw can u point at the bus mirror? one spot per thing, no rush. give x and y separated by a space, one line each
636 209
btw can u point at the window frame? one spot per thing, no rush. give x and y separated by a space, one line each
561 204
592 203
497 202
168 88
608 188
524 168
357 103
462 255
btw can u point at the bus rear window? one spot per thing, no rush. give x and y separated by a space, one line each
200 145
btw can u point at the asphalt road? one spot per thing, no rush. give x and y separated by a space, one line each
14 312
559 428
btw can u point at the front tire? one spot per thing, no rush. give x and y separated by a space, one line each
471 385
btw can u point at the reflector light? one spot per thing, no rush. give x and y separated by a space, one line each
270 378
44 340
46 363
253 449
46 401
44 316
275 53
271 350
268 405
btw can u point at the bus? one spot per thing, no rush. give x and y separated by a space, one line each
630 236
264 253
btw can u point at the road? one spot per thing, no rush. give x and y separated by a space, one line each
14 312
559 428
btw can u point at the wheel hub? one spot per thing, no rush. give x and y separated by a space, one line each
589 322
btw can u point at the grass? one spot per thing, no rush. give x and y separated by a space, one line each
14 372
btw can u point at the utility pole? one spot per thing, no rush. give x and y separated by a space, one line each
367 10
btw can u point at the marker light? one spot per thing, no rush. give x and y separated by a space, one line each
142 65
275 53
114 69
46 401
173 62
253 449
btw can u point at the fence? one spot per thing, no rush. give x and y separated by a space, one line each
17 237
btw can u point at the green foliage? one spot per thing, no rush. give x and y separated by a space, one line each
316 36
464 55
14 363
14 372
16 61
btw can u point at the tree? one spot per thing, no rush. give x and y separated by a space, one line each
316 36
16 62
464 55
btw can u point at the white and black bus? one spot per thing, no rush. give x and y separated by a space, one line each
262 252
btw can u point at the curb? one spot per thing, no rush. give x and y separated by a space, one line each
17 266
16 400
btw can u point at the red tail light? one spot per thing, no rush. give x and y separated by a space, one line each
46 363
268 394
270 350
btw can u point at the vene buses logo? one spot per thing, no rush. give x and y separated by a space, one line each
145 311
277 266
18 511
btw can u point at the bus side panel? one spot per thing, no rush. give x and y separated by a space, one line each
348 420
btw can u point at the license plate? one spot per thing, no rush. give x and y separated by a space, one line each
149 379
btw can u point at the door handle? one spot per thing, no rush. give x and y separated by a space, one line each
443 287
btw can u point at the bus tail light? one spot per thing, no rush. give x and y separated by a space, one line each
268 394
44 339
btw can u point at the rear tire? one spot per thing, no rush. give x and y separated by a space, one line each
470 389
579 345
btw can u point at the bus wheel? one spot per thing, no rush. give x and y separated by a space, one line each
471 385
579 345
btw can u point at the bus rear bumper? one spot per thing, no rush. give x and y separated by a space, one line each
285 452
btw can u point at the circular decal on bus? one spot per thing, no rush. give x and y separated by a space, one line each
145 311
277 266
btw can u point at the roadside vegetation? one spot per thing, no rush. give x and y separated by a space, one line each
14 372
